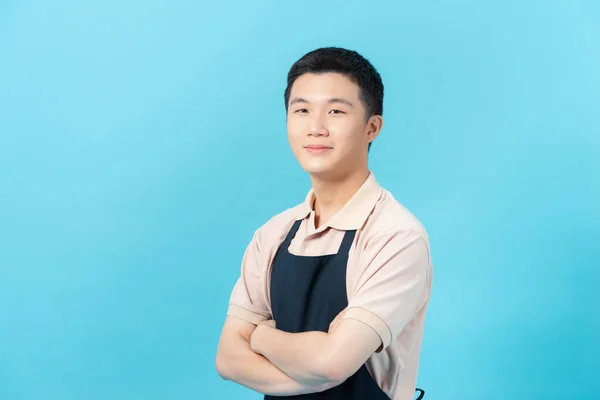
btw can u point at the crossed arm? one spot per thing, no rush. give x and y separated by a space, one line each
397 282
274 362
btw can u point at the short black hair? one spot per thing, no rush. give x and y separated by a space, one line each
346 62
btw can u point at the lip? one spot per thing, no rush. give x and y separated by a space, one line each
317 148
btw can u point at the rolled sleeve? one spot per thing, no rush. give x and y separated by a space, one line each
394 283
247 300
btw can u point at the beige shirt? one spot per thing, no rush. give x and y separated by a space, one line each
388 278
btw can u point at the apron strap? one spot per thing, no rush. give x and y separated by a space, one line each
291 234
347 243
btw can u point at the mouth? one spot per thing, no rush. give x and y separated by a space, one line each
317 149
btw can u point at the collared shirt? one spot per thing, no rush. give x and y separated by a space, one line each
388 276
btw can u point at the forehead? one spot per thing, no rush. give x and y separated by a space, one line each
326 85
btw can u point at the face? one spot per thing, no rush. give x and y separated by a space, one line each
327 127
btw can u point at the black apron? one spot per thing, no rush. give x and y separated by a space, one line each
307 293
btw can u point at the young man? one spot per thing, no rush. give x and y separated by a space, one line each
333 293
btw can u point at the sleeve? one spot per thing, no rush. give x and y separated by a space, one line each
248 301
394 283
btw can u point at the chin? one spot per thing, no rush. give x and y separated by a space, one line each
321 171
313 166
317 171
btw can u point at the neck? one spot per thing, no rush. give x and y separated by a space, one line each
331 195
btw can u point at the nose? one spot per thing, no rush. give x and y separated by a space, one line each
317 127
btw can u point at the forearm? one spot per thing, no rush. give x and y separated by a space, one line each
257 373
299 355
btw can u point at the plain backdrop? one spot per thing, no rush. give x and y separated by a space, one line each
143 142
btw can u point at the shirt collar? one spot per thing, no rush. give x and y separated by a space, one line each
355 212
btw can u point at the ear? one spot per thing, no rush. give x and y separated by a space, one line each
374 125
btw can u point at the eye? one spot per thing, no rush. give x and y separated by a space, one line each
337 112
301 111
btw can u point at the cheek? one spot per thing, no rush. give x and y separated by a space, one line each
294 131
349 145
347 133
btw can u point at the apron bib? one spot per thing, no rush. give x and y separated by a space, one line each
307 293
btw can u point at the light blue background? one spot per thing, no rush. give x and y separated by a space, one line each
143 142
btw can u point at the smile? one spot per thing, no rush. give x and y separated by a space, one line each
317 149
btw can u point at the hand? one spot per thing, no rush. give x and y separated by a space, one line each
336 320
268 322
257 335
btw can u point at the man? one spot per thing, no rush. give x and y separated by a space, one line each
333 293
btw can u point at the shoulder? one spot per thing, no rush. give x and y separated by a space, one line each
392 228
390 216
393 246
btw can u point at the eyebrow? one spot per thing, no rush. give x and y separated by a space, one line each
330 101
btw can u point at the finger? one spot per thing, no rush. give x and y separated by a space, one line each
334 323
268 322
336 320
